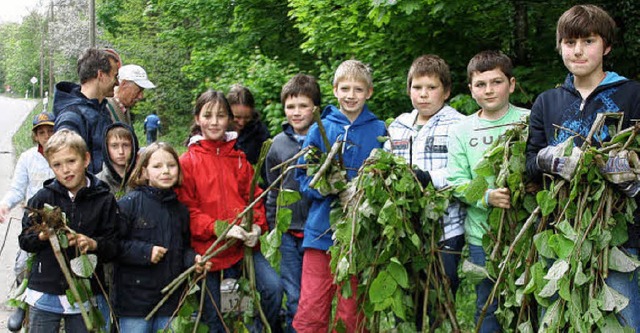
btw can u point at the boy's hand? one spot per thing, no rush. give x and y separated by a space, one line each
237 232
82 242
157 253
552 159
253 236
4 211
500 198
201 266
623 170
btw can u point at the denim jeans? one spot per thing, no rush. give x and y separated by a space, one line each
267 282
41 321
291 272
139 325
452 250
152 135
483 290
627 285
103 307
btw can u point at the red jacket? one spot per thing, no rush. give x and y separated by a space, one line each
216 185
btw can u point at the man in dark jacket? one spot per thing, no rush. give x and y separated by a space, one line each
83 108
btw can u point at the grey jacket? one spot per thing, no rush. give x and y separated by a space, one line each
283 148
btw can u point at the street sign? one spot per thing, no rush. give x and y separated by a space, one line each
34 80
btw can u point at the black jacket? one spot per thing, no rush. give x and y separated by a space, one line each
561 107
87 117
151 217
250 140
94 213
283 148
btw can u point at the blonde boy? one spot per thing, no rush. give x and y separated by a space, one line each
92 213
491 82
354 124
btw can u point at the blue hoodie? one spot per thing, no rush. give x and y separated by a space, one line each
360 139
85 116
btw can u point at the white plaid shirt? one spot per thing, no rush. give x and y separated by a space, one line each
427 149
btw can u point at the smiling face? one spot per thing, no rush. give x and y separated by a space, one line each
162 170
427 96
491 90
299 112
583 56
352 95
69 166
213 120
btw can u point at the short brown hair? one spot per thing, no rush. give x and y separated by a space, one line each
353 69
137 179
65 138
93 60
119 132
582 21
301 85
487 61
429 65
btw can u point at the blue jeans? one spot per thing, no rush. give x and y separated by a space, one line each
103 307
268 284
627 285
291 272
152 135
139 325
483 290
41 321
452 250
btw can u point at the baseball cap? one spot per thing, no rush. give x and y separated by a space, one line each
43 118
136 74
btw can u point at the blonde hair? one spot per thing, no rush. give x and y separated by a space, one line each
136 178
355 70
65 138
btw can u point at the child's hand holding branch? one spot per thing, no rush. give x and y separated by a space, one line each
82 242
157 253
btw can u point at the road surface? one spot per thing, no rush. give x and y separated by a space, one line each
13 112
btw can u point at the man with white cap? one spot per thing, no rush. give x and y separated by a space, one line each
133 81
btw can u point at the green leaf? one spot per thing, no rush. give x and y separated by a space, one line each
580 278
287 197
398 272
561 246
484 168
546 202
567 230
609 299
473 272
220 226
541 241
475 190
557 270
549 289
619 261
382 287
84 265
283 219
551 319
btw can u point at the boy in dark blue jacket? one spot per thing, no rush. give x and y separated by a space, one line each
92 213
300 96
358 128
584 36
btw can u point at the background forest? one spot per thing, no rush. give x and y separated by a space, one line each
187 46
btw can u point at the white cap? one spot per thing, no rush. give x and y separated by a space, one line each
136 74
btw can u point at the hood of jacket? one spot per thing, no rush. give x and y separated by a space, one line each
610 79
134 153
334 115
68 93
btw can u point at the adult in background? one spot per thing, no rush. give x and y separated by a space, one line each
83 108
152 127
133 81
252 133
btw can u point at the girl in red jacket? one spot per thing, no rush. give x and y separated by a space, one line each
217 179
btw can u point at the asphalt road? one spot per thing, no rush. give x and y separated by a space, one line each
12 114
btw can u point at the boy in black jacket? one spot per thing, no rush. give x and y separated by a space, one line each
92 213
584 35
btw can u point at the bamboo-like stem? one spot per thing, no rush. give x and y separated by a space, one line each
55 244
327 163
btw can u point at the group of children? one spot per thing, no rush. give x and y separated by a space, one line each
167 219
